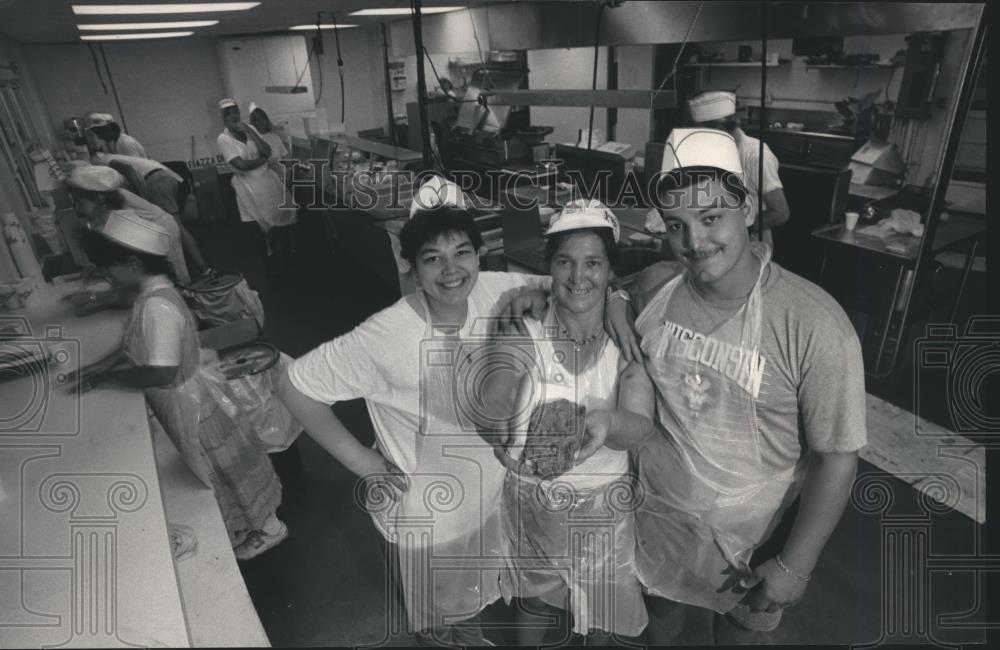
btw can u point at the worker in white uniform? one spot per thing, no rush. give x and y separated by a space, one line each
260 192
283 238
432 484
110 138
716 109
759 386
97 190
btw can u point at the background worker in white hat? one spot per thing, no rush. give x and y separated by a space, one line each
97 191
760 398
160 354
110 138
716 109
260 120
578 560
260 192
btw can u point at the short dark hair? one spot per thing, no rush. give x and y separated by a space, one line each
727 123
112 199
428 225
554 241
105 253
109 131
687 176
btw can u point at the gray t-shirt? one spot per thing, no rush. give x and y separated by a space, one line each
809 388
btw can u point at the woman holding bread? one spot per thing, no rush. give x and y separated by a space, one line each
568 509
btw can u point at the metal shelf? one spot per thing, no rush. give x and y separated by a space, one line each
837 66
734 64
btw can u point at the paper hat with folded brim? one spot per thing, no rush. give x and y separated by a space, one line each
95 178
93 120
701 148
584 213
128 229
226 103
712 105
437 193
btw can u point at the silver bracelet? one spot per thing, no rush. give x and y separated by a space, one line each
781 565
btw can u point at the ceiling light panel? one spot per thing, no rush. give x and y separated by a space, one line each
303 28
146 9
132 37
402 11
121 27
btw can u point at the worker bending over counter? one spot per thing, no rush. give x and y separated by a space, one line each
160 354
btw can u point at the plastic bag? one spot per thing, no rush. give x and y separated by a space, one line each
226 305
257 397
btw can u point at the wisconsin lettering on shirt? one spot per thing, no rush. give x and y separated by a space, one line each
732 361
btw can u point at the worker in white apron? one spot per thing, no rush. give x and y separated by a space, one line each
431 484
759 388
260 192
572 536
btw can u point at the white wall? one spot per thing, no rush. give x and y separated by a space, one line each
561 70
635 72
249 65
169 90
364 80
450 33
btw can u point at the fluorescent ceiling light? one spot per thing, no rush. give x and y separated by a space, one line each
132 37
133 9
303 28
121 27
402 11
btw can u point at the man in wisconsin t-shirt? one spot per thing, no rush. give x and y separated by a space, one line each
758 383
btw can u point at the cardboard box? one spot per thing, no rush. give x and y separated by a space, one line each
876 163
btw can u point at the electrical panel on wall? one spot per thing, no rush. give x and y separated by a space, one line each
924 56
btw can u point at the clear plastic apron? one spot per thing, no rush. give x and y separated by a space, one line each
574 535
709 498
447 524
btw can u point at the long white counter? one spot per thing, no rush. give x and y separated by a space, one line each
85 557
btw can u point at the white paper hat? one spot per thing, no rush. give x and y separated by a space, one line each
435 193
712 105
701 148
584 213
226 103
94 119
95 178
127 228
253 106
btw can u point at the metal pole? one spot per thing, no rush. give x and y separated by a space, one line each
388 86
114 90
763 121
961 109
425 129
